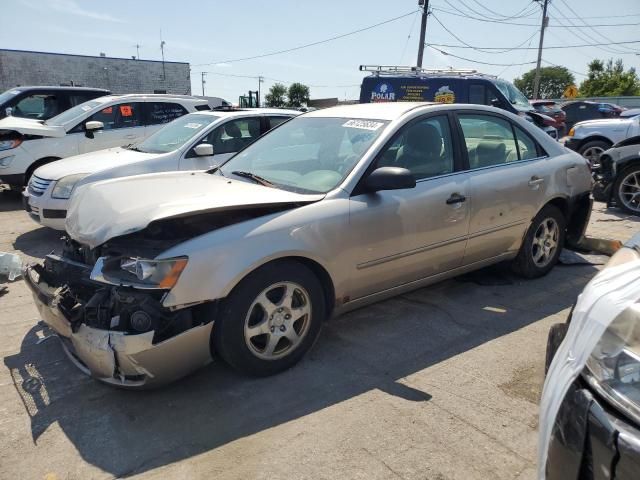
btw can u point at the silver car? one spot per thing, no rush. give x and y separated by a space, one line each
330 211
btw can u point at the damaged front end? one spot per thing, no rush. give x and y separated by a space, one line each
116 328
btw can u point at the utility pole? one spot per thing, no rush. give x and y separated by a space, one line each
543 25
423 28
162 43
204 74
260 80
137 51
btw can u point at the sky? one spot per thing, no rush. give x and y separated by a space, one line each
214 35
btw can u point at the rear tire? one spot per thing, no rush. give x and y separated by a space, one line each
626 185
542 244
270 319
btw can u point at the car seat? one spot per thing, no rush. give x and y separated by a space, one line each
490 153
422 151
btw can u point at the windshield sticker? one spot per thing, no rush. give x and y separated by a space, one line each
195 126
86 108
363 124
444 95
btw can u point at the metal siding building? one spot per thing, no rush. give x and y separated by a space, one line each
120 75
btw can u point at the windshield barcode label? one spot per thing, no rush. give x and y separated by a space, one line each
363 124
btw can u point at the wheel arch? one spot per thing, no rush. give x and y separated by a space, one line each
38 163
316 267
594 138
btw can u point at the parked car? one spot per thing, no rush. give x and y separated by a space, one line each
43 103
406 84
617 177
581 110
590 408
196 141
332 210
592 137
553 110
104 122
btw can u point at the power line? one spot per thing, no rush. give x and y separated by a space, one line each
300 47
457 14
479 62
496 14
257 77
479 49
562 66
409 36
568 7
530 48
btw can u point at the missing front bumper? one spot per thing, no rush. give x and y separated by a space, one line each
117 357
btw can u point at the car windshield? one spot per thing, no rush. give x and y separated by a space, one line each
73 113
175 134
307 154
515 96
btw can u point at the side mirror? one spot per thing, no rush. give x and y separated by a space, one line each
93 125
496 103
203 150
389 178
8 111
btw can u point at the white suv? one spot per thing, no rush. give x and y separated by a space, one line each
198 141
109 121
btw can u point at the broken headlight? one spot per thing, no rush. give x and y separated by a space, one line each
613 368
139 272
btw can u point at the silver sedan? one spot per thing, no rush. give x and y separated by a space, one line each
332 210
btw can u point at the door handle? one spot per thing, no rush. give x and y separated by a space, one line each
130 136
535 181
456 198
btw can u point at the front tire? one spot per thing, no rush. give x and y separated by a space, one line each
271 319
593 149
627 190
542 244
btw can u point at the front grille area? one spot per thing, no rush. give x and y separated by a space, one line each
37 185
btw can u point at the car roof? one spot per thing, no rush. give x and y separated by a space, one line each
155 96
60 88
244 111
381 110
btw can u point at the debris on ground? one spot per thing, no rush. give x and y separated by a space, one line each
569 257
600 245
10 265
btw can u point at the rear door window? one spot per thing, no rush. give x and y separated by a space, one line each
489 140
163 112
477 94
274 121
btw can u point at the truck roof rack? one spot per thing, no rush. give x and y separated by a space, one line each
405 69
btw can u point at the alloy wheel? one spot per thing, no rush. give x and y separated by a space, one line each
593 154
629 191
545 242
277 320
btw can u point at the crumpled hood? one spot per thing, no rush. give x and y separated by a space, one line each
91 162
28 126
112 208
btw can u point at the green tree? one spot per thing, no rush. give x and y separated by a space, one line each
298 95
276 96
609 80
553 82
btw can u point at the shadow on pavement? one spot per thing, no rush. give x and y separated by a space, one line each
38 242
10 200
125 433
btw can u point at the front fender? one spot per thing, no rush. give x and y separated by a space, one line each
220 259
